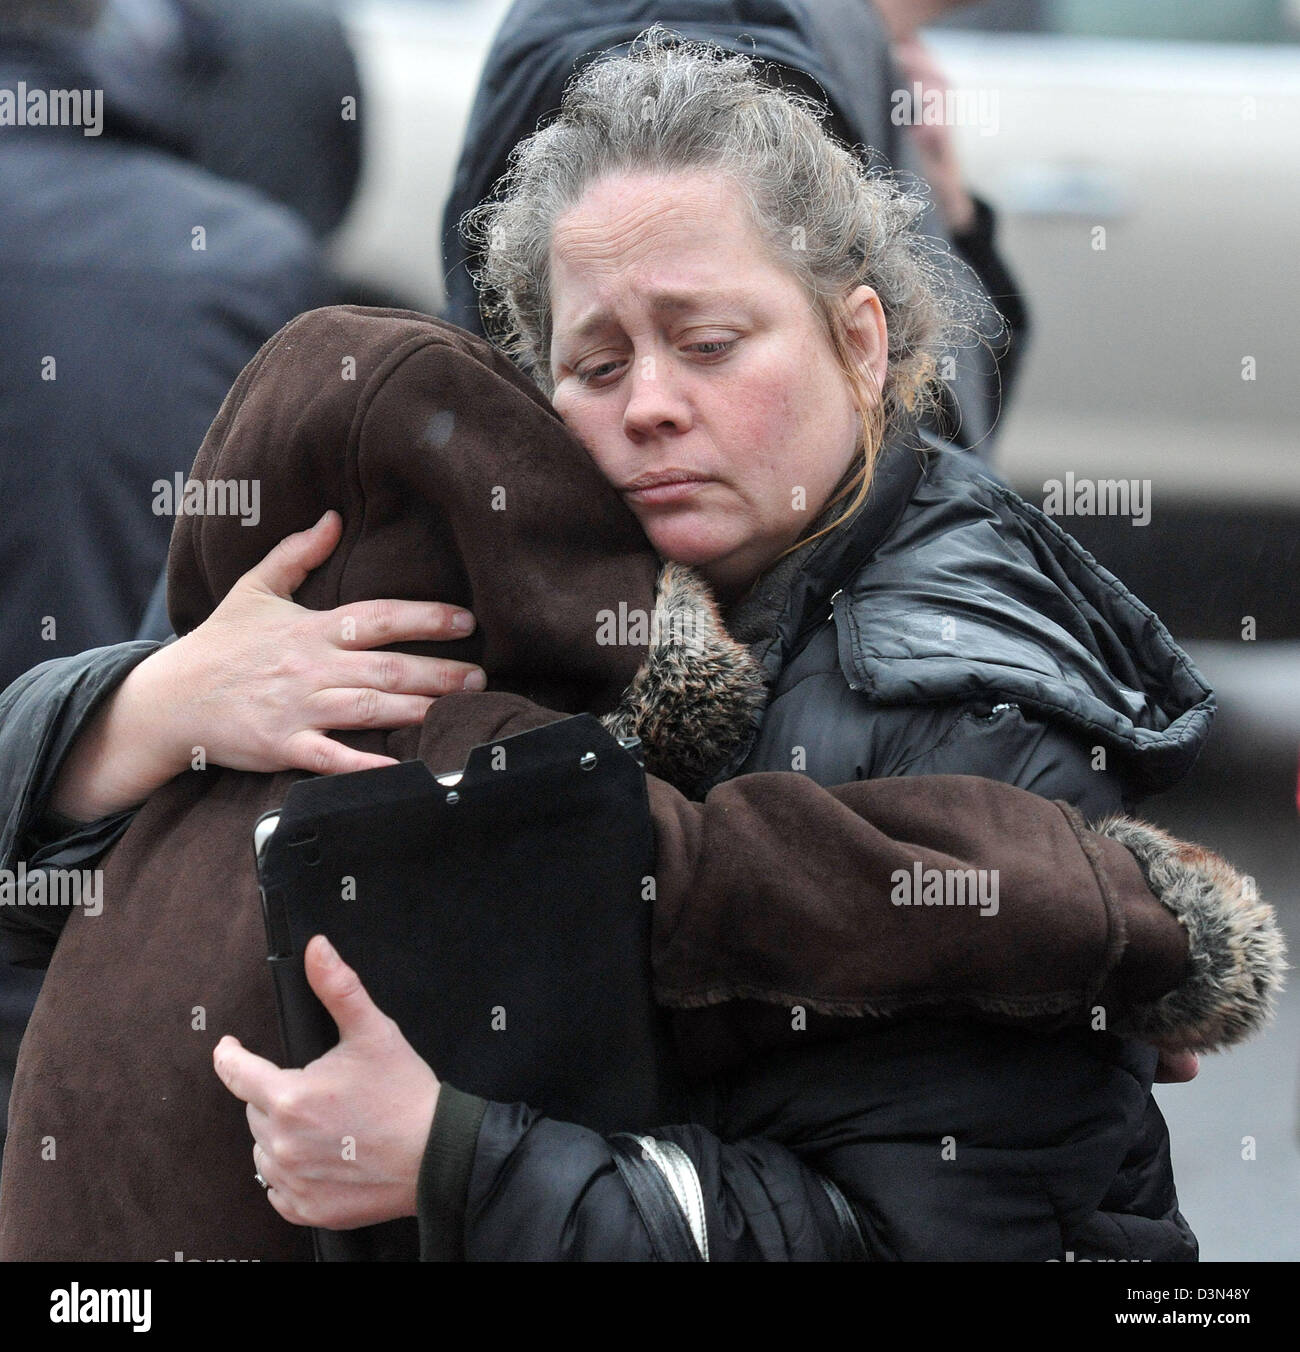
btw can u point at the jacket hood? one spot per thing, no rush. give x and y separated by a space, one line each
977 595
458 482
540 44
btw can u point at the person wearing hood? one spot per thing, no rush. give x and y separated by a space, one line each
1045 634
852 55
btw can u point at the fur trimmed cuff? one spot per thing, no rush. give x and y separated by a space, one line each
1236 952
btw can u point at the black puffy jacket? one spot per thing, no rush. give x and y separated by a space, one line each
951 629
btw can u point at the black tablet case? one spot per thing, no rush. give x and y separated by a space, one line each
503 922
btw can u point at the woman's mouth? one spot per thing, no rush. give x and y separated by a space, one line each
668 486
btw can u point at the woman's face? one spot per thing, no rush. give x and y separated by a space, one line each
684 355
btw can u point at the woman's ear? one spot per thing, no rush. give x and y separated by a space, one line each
866 332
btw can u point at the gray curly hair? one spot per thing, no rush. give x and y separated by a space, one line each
828 217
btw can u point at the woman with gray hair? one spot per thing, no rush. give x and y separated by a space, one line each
738 322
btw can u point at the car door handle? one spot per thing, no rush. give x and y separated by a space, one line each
1060 189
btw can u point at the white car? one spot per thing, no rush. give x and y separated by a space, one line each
1147 192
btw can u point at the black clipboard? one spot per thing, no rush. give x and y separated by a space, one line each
500 915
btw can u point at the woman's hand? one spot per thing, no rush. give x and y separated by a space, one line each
933 139
339 1142
259 684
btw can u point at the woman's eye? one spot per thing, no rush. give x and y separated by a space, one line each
593 373
597 374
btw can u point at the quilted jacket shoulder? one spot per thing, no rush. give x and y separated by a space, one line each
979 638
978 594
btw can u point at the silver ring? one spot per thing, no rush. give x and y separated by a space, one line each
260 1181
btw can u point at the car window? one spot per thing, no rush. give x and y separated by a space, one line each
1171 20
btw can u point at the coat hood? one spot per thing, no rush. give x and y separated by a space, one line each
452 488
539 46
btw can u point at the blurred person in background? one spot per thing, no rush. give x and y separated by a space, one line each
856 55
130 271
139 279
264 94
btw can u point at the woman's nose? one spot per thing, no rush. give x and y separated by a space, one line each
656 400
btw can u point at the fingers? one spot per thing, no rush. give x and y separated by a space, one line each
403 673
365 625
277 678
251 1078
278 1194
340 990
262 1165
1176 1067
363 706
286 567
259 1124
349 710
321 755
374 624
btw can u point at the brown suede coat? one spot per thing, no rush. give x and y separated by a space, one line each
457 482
